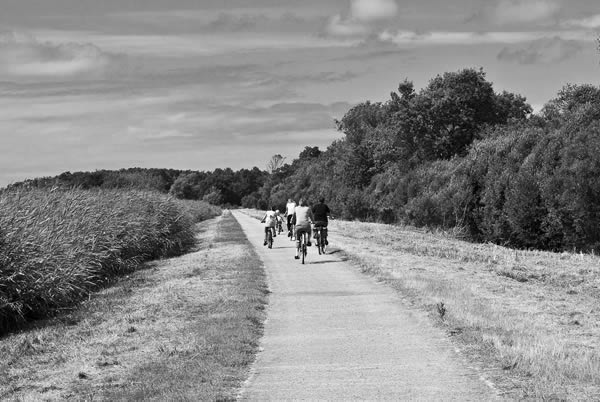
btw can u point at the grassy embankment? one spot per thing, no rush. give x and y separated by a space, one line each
58 246
184 328
533 315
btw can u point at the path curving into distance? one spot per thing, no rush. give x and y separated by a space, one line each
333 333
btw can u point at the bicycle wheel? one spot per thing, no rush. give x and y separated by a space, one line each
270 239
318 241
303 247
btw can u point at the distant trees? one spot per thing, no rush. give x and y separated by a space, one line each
139 178
222 186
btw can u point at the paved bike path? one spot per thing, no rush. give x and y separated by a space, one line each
333 333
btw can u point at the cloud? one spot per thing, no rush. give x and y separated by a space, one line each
406 38
23 56
592 22
235 22
362 18
338 26
456 38
510 12
546 50
370 10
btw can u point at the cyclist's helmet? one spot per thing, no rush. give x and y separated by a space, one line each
277 211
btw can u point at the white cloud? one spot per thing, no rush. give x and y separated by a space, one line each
362 19
202 44
546 50
369 10
347 28
592 22
475 38
511 12
22 55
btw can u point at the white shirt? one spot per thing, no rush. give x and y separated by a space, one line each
290 208
270 219
302 214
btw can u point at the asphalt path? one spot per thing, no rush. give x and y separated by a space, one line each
333 333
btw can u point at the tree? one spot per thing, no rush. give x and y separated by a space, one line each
275 163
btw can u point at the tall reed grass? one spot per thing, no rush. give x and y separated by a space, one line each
57 246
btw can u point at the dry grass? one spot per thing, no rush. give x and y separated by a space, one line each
535 315
183 329
57 246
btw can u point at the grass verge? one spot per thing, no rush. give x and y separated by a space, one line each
185 328
532 315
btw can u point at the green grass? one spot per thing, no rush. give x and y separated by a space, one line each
58 246
185 328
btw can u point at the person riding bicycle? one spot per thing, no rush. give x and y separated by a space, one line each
279 221
302 218
289 210
269 220
320 212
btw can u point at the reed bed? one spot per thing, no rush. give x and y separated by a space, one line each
58 246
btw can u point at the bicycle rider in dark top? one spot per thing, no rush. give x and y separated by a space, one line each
320 212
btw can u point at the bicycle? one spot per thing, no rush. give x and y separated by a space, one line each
280 226
269 232
303 247
291 228
319 238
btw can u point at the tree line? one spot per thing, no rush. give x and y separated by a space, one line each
219 187
455 154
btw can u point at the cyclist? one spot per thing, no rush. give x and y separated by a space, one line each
302 218
279 221
320 212
269 220
289 210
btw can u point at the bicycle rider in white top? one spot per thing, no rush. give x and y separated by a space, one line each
269 219
289 211
302 218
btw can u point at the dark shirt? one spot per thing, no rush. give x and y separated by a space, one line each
320 212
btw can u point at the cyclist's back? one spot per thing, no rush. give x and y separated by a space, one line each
269 220
302 213
320 213
303 218
289 210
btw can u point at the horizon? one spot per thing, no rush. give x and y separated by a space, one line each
179 85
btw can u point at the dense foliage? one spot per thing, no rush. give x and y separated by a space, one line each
458 155
57 246
219 187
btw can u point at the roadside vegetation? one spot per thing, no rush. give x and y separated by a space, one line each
530 316
58 246
185 328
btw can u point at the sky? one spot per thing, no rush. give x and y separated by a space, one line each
202 84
